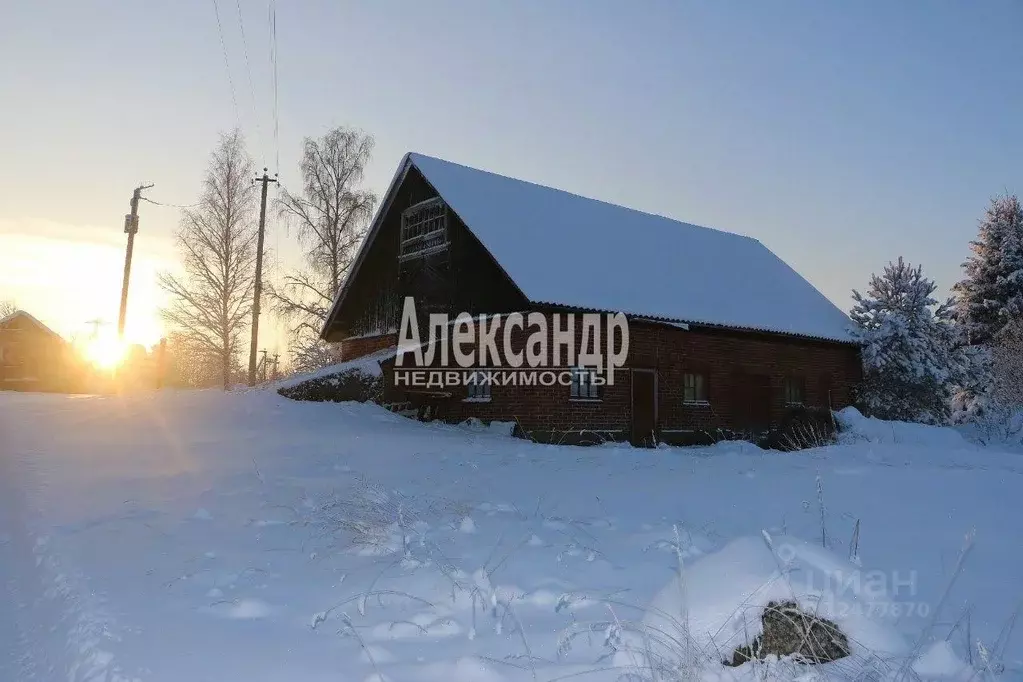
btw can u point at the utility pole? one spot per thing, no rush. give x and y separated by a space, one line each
262 366
161 362
131 226
95 326
258 288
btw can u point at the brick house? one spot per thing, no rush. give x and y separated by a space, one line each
33 357
723 335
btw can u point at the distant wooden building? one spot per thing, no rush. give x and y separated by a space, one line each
33 357
723 334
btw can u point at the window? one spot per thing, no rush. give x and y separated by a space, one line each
583 387
478 385
423 229
795 391
695 388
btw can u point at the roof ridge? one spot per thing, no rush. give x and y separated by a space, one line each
24 313
412 155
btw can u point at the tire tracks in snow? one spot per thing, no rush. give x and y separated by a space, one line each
27 621
51 628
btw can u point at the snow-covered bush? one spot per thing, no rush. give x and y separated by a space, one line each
973 397
911 358
349 384
309 353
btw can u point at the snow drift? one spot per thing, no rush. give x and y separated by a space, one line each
714 606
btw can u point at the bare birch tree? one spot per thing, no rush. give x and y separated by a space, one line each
7 307
331 215
211 304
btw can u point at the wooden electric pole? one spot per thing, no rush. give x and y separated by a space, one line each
131 226
258 288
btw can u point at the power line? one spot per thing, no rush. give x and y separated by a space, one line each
160 203
252 89
227 63
272 20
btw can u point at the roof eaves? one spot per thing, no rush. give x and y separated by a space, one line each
643 317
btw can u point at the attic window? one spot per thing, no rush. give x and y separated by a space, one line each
424 229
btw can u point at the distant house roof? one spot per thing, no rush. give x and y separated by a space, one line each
562 248
21 313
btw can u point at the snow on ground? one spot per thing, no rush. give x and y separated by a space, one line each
856 427
208 537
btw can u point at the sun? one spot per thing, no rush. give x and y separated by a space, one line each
105 352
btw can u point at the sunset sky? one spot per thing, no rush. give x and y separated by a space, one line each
841 135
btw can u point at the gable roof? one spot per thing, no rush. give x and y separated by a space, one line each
21 313
565 249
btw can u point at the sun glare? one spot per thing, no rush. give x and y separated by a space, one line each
105 352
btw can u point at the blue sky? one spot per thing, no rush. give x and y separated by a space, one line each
842 135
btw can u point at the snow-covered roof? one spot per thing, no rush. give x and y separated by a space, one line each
366 364
30 318
562 248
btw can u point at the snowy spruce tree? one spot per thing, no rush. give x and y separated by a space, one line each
989 312
910 358
990 296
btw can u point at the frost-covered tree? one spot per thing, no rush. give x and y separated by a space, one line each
910 357
193 365
211 304
991 397
990 295
331 215
1007 365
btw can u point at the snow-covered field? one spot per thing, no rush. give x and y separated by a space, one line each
191 537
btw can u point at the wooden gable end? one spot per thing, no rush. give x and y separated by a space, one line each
420 248
29 351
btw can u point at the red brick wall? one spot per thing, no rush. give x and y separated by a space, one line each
723 356
364 345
